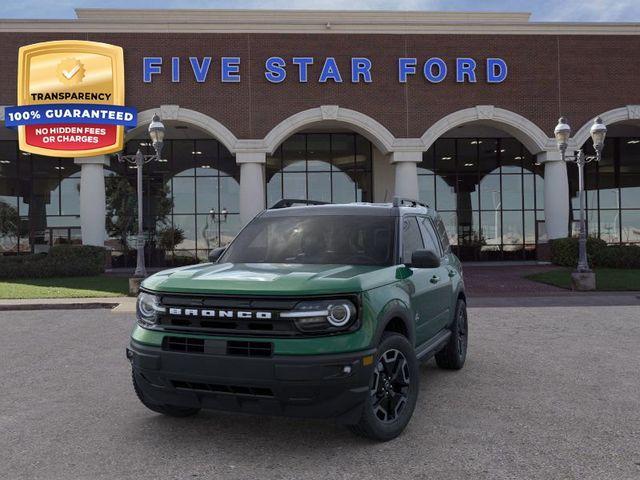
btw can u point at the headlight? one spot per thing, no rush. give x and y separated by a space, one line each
147 309
323 316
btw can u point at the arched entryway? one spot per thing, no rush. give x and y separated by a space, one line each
191 197
39 199
482 174
612 185
328 154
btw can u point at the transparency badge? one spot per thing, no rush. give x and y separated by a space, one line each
70 99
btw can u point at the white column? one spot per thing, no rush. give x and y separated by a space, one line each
406 170
93 208
252 193
556 194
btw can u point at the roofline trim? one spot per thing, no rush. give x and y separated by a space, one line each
310 21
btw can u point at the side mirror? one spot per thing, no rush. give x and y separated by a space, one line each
424 259
216 253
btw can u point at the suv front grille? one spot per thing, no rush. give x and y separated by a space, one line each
183 344
220 315
249 349
217 347
228 389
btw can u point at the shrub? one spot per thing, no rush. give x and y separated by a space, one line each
564 252
61 261
618 256
169 237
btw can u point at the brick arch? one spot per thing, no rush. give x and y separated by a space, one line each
616 115
374 131
192 117
527 132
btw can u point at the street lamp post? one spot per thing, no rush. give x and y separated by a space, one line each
156 133
598 132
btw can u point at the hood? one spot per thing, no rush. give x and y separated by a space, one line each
270 279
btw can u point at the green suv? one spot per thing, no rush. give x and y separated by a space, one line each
312 311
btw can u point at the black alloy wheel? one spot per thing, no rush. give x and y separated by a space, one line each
454 353
393 390
390 386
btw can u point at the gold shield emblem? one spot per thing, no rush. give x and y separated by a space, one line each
71 72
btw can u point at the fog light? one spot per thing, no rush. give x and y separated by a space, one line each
346 369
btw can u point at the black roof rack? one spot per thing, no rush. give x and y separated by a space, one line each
410 202
292 202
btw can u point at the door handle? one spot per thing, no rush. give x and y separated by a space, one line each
435 279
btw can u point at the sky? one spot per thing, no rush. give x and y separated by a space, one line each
542 10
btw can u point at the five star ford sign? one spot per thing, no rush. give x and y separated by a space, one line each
71 99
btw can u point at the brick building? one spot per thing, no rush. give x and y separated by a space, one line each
457 109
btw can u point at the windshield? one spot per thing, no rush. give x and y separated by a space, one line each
319 239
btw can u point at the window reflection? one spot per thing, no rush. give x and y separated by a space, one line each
612 191
490 193
329 167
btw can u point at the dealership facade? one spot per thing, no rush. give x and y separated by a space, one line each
456 109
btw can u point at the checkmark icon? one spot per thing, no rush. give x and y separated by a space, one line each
71 73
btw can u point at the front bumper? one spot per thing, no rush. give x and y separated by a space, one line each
317 386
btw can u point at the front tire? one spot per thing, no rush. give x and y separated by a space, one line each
169 410
393 390
454 354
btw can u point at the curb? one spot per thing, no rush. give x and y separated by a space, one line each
57 306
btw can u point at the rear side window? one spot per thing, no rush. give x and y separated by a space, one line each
411 238
429 236
442 234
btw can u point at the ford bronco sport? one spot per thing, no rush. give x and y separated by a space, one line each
314 310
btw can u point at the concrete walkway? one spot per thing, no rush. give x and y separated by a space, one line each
118 304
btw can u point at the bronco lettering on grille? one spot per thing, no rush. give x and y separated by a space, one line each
240 314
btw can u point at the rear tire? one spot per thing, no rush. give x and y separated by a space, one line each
169 410
454 354
393 390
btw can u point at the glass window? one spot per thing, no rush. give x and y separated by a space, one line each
182 161
320 186
294 153
445 156
207 195
411 238
631 226
318 152
343 187
445 194
511 155
467 154
487 156
442 234
70 196
609 226
490 197
512 192
316 239
328 167
342 151
183 190
429 236
426 189
630 190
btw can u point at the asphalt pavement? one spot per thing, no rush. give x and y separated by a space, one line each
548 393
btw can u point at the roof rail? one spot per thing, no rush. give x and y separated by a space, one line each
293 202
401 201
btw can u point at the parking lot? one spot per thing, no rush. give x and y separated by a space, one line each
550 392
